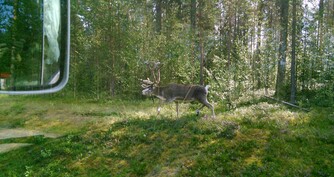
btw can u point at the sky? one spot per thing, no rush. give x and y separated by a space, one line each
311 4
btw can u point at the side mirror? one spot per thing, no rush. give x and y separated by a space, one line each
34 46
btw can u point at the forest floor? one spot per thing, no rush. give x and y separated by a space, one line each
77 137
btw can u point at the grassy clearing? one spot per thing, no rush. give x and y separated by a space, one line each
123 138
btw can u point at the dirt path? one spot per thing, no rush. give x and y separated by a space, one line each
11 146
20 133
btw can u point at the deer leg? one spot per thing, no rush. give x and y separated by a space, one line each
159 107
177 109
207 104
198 110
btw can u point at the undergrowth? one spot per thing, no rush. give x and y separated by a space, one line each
127 138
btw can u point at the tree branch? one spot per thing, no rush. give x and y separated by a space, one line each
287 103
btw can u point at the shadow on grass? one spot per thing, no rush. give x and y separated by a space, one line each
137 147
158 146
187 146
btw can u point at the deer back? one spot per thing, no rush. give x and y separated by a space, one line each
181 92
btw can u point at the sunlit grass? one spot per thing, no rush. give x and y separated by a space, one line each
128 138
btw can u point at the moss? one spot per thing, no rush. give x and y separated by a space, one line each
124 138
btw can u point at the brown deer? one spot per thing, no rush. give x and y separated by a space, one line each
178 92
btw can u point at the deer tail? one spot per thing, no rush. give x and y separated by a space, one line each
207 88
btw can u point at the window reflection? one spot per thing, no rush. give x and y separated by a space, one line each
29 43
51 53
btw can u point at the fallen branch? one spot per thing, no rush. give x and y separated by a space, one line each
287 103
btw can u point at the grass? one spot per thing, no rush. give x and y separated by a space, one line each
126 138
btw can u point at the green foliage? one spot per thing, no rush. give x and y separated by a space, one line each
111 42
259 139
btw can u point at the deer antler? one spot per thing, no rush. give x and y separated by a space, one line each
146 83
154 66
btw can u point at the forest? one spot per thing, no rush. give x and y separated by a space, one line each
282 47
269 64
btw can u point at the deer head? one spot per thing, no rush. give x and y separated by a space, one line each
148 87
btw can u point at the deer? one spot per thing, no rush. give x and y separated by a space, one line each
175 92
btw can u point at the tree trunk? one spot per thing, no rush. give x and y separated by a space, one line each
258 45
320 25
13 48
280 82
293 55
201 42
193 12
158 16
